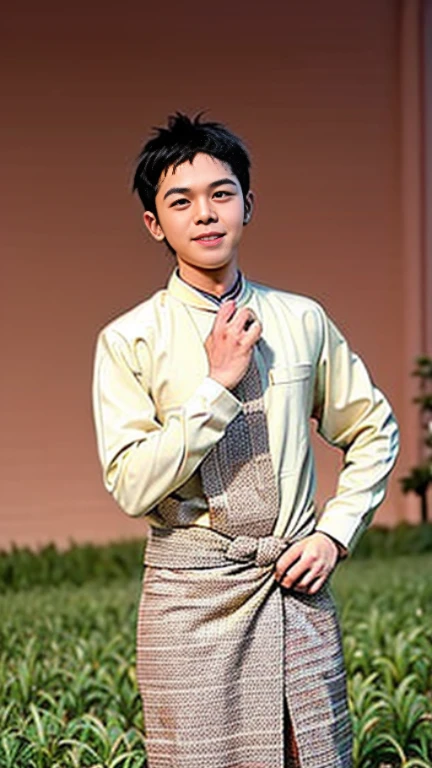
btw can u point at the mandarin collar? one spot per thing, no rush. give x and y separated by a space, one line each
192 296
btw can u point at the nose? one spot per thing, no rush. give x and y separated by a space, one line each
204 211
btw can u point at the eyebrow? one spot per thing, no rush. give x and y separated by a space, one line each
182 190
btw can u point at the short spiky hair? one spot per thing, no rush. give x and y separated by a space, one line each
181 141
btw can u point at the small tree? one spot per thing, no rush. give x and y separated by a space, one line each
420 477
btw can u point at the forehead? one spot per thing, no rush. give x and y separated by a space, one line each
203 170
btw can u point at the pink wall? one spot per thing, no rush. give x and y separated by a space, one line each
314 90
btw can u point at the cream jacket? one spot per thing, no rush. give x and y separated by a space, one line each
157 412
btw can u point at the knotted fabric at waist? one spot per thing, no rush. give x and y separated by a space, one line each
198 547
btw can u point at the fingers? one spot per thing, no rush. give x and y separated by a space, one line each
306 565
229 345
246 327
317 584
241 320
224 314
301 575
312 581
287 561
309 581
254 331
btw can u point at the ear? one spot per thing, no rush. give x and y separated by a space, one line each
153 226
249 206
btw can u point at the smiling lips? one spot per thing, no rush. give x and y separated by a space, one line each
209 237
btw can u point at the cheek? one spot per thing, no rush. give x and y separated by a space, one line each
234 217
173 228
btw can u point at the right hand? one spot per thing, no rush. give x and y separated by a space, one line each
230 344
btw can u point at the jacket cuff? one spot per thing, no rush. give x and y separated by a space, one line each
221 405
343 531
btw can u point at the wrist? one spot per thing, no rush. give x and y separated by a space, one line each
339 548
220 378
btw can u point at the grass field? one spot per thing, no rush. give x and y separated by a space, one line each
68 694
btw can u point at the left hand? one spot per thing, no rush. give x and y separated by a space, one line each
307 564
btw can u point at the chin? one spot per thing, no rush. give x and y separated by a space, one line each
209 262
214 266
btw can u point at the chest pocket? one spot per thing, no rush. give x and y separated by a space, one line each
290 400
284 374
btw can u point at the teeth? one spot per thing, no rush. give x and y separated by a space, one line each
212 237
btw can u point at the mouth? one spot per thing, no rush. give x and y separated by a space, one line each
211 239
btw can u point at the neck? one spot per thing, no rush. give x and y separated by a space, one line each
216 281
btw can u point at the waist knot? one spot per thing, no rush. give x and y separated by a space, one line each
263 551
199 547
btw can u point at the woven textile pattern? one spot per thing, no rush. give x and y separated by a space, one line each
237 475
225 656
219 650
209 649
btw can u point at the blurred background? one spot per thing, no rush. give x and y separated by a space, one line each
333 101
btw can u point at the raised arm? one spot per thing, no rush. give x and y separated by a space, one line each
143 461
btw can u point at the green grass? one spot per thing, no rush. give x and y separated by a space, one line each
68 694
386 614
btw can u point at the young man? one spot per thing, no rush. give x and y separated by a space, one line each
202 400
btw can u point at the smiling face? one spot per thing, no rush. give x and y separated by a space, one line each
201 198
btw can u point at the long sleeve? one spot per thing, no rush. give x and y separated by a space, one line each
355 416
143 460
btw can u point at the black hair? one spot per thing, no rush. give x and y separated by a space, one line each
181 141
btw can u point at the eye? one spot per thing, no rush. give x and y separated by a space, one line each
181 200
223 192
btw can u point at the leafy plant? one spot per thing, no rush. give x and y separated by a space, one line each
420 476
